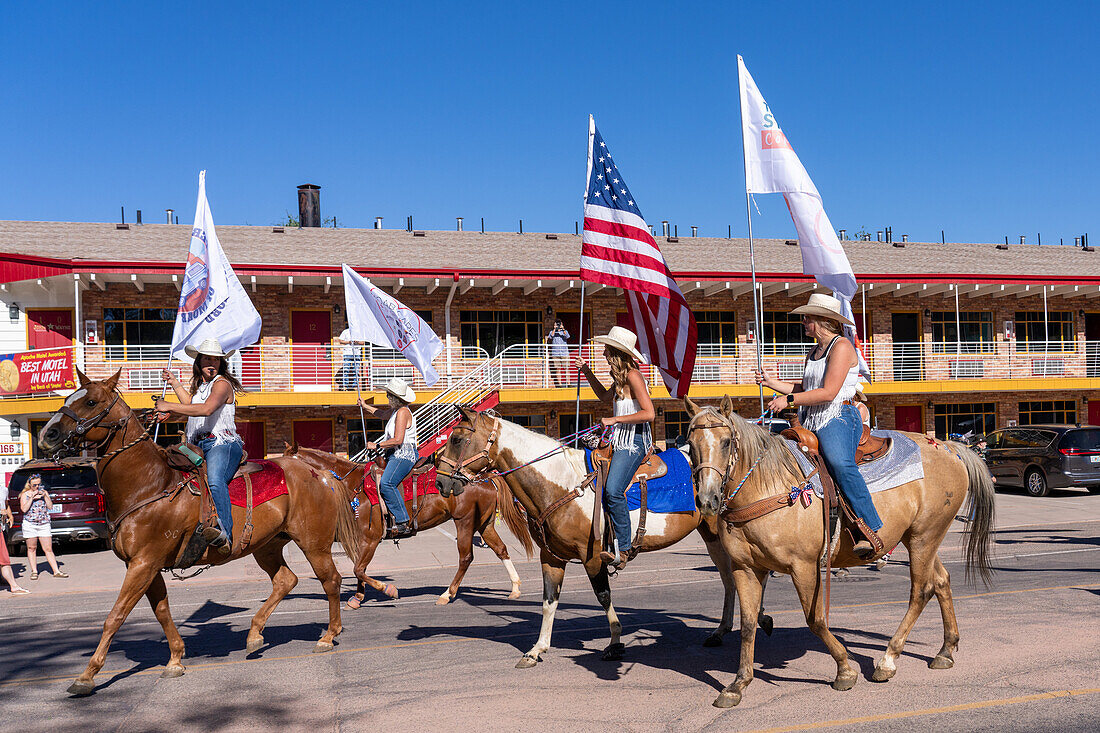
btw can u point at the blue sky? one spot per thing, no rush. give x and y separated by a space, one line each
949 117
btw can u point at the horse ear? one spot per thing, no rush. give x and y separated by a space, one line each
468 414
691 407
112 381
84 381
727 406
288 449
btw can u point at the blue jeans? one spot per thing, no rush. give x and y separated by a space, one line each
619 474
838 440
222 461
397 469
350 374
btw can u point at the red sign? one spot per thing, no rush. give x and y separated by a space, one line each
36 371
770 139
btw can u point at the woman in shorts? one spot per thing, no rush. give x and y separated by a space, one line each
35 503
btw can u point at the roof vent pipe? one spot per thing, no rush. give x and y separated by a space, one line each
458 223
843 234
309 205
664 228
168 213
139 217
377 222
1023 239
880 235
694 231
905 237
1076 241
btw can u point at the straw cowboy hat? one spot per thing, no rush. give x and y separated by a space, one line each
622 339
400 389
209 347
823 305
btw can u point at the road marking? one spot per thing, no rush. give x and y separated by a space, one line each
932 711
401 645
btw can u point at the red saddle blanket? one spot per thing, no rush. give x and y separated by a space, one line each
266 485
422 484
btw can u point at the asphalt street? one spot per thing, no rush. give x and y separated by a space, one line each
1029 658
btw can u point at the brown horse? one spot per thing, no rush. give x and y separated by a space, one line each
792 540
152 516
473 511
543 476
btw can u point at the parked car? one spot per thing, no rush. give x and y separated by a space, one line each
1044 457
79 507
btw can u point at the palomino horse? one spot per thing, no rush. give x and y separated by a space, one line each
791 540
472 511
543 476
152 516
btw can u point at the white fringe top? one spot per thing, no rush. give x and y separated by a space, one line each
623 437
814 417
408 449
221 423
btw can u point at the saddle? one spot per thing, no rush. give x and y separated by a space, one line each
652 467
870 447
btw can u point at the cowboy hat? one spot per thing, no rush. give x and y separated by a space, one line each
823 305
209 347
622 339
400 389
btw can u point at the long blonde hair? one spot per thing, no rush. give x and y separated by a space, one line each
621 364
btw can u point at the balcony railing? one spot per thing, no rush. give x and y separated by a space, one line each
324 368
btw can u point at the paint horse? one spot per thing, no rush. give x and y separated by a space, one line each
758 467
151 515
472 511
543 476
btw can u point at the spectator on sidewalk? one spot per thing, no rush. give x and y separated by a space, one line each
6 521
35 503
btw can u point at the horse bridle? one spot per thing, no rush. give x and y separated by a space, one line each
458 468
76 440
724 422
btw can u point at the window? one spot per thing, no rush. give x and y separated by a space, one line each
531 422
959 419
567 423
976 327
495 331
718 332
375 428
1026 438
783 335
1033 333
676 425
1048 411
138 327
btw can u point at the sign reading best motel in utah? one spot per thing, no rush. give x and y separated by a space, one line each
36 371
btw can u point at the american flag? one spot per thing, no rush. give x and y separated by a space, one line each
618 251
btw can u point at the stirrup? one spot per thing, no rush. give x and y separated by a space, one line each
400 531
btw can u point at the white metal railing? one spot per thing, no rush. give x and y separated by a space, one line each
323 368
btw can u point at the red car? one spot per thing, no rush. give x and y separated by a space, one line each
79 507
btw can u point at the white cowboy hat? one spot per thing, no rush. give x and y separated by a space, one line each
400 389
209 347
622 339
823 305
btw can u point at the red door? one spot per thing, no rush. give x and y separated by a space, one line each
909 418
1094 412
48 328
252 433
311 337
313 434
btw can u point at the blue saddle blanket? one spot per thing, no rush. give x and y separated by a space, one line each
673 492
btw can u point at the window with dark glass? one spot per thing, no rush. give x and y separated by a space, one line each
717 332
784 335
531 422
136 331
567 423
676 424
976 328
960 419
494 331
1039 412
171 433
1054 333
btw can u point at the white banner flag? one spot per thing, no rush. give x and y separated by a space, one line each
213 304
378 318
771 166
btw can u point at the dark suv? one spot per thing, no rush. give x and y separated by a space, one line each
79 507
1044 457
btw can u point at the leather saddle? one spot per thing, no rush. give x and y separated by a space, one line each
652 467
187 457
870 448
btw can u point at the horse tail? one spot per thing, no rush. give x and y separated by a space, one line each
347 529
980 509
516 521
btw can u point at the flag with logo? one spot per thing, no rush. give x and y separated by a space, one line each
771 166
213 303
617 250
381 319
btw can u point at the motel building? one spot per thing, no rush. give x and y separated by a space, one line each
959 337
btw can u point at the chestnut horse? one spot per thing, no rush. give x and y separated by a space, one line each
542 473
473 511
152 517
791 540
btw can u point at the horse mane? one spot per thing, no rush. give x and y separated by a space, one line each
754 443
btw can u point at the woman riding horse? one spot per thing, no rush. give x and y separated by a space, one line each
632 417
209 404
401 437
825 397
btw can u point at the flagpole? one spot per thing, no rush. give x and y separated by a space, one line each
359 400
580 323
163 391
752 249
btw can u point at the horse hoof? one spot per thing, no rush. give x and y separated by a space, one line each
713 640
727 700
390 591
514 594
844 683
526 662
254 645
443 600
80 689
767 624
323 646
614 652
941 662
173 670
882 674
